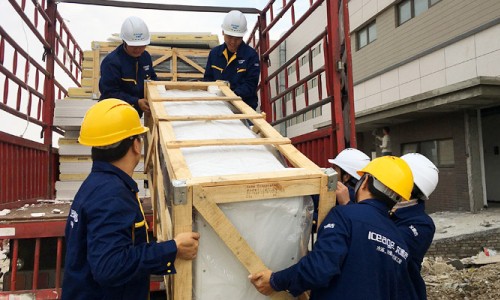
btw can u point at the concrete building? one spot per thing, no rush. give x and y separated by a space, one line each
430 70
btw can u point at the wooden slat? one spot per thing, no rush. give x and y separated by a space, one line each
210 117
259 190
231 236
326 200
189 99
80 92
162 59
175 162
174 66
96 74
191 63
227 142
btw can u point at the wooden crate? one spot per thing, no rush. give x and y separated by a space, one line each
176 64
172 185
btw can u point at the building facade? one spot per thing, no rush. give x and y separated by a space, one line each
429 70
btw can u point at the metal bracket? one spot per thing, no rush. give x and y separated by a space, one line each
180 192
332 179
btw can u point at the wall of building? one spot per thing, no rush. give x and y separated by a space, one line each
473 56
491 150
452 192
395 44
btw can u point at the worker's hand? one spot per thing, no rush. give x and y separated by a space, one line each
261 282
187 245
144 105
342 194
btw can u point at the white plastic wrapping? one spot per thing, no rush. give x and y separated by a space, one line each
276 229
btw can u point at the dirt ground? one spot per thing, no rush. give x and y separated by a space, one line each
470 283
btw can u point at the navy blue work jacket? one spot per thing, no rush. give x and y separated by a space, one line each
107 253
417 229
241 70
359 254
122 76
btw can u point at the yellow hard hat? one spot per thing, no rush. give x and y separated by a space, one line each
393 172
108 122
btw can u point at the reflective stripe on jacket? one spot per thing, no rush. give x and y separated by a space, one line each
107 253
122 76
241 70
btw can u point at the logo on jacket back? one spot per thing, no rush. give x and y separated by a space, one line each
240 61
146 68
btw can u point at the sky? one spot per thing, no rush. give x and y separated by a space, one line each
90 23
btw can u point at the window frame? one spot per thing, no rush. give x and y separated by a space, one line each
366 29
412 10
417 147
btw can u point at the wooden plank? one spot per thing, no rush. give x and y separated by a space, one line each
259 190
230 235
326 200
87 73
210 117
162 59
88 55
191 63
96 74
189 99
228 142
80 92
87 82
174 65
174 160
226 231
87 64
181 85
183 220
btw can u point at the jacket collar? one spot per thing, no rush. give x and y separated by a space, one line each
406 212
105 167
379 205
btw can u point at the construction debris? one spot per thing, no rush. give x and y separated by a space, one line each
444 281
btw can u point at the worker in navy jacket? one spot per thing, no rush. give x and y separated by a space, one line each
124 70
234 61
359 253
416 227
108 254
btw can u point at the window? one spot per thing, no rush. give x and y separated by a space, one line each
409 9
367 34
291 69
440 152
316 50
312 83
304 60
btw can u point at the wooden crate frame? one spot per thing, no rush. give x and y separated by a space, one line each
175 193
92 60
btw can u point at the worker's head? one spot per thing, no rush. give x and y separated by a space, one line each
135 35
386 130
234 28
425 175
386 178
111 127
347 162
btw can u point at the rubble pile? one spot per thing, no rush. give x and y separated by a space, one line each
453 280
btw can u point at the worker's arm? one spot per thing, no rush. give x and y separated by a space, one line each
114 252
246 86
209 72
111 80
322 264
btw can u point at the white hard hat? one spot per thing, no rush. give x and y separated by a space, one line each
135 32
351 160
425 173
235 24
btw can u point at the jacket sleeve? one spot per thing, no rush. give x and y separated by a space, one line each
247 86
209 72
109 84
113 258
323 263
